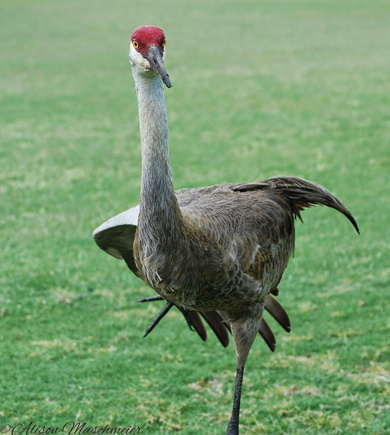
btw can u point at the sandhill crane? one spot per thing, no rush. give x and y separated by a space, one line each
220 249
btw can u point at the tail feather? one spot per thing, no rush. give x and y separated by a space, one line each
278 313
268 336
194 321
218 320
304 194
216 323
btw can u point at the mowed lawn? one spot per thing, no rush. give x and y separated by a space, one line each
259 89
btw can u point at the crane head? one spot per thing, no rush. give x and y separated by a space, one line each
147 51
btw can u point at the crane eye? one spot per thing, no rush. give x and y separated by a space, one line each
135 45
164 43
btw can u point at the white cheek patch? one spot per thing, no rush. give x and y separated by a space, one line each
144 63
136 58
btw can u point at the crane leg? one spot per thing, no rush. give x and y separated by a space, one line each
151 299
164 311
233 426
244 330
161 314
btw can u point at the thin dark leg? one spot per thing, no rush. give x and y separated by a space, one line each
233 426
161 314
151 299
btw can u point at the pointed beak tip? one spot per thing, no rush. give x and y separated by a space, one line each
167 82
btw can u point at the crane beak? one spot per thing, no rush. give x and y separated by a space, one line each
154 56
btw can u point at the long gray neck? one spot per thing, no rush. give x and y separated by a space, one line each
159 211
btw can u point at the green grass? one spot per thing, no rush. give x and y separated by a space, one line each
259 89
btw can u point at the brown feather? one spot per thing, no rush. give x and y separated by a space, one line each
302 193
277 312
197 323
267 335
217 324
